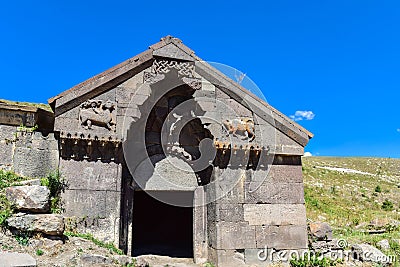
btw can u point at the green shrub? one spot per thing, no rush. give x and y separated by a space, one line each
387 205
23 238
8 179
378 189
6 209
56 185
39 252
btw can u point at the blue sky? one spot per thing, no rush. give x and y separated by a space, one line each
338 59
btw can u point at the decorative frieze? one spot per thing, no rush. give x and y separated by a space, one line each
80 149
186 72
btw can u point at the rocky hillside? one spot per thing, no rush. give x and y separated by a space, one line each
358 197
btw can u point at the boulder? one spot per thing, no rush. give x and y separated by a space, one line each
33 198
50 224
383 244
16 259
320 231
368 253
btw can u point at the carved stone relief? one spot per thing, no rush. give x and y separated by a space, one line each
240 127
99 113
186 72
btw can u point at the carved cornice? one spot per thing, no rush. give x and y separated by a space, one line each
79 149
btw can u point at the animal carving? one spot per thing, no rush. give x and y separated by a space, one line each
243 128
95 112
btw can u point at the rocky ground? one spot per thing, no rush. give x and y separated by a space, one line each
77 251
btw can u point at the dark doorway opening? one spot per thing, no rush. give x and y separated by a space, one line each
160 228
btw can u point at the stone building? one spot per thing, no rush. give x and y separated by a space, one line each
163 154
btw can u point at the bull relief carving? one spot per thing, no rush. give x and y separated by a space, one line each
95 112
242 128
185 70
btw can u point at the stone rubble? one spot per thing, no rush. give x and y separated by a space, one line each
32 198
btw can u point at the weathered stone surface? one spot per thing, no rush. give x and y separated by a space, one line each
8 259
226 212
368 253
226 235
277 174
275 214
6 144
90 175
226 258
83 203
274 193
169 173
95 259
229 188
51 224
33 198
282 237
30 182
123 260
321 231
33 162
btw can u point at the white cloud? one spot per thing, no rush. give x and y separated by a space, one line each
303 115
398 130
307 154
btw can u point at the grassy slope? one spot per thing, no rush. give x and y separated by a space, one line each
347 200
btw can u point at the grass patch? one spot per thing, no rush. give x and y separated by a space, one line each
110 246
7 179
346 200
56 185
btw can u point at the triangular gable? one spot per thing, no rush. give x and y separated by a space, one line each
170 47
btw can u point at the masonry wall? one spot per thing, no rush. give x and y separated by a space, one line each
28 153
247 220
92 197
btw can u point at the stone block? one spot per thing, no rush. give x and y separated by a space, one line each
219 94
50 224
227 212
275 214
227 233
229 186
109 95
227 257
90 175
83 203
282 237
286 173
6 144
274 193
44 142
238 109
14 259
32 162
33 198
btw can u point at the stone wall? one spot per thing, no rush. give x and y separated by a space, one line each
27 145
248 219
